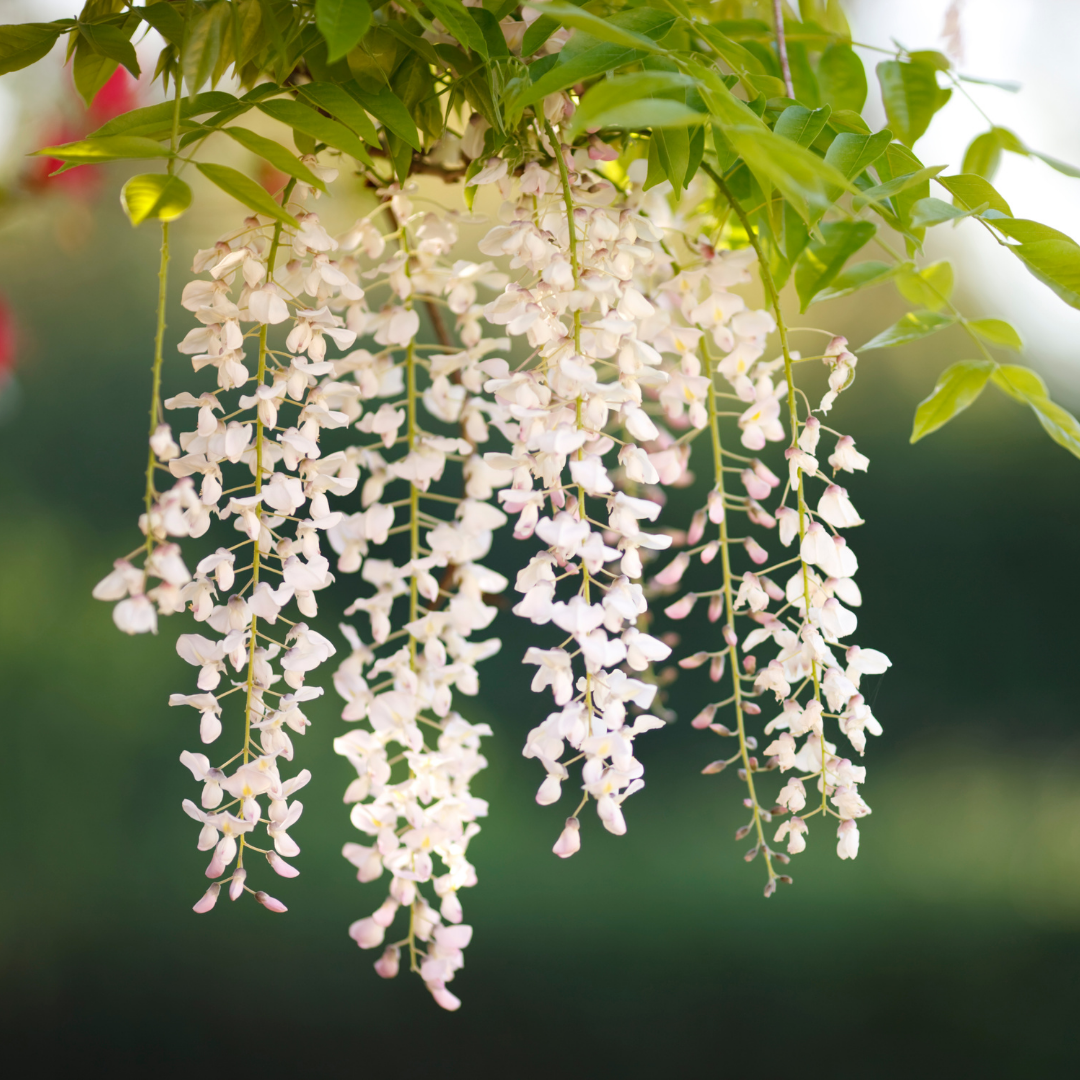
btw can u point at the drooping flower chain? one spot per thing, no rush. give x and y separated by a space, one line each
812 620
589 327
408 691
263 439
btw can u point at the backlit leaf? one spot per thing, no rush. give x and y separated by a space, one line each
821 262
154 195
911 96
913 326
997 332
957 387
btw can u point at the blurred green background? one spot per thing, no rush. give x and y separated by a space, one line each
950 945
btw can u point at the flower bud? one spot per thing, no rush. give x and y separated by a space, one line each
569 839
704 718
387 965
236 886
270 903
681 608
208 900
688 663
697 528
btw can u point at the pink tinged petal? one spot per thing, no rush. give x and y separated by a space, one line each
387 966
280 866
453 937
704 718
550 791
757 553
681 608
688 663
208 900
236 886
445 999
367 933
569 839
270 903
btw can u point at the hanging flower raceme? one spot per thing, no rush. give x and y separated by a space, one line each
815 675
413 753
252 459
577 413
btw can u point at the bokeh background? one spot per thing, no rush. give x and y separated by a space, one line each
951 945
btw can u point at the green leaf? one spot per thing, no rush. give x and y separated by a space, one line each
604 29
842 78
911 96
1024 385
914 325
1055 263
850 153
1061 166
342 24
110 148
488 23
585 56
1002 84
166 20
245 190
930 286
1026 231
111 42
624 90
983 154
23 44
969 191
275 153
154 195
672 149
90 69
388 109
821 262
539 31
655 113
806 181
933 212
414 84
304 118
801 125
898 160
157 119
202 49
342 106
455 17
863 275
894 186
997 332
957 387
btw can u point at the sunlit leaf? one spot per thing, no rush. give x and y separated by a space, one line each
997 332
931 286
110 148
913 326
1024 385
911 96
969 191
957 387
863 275
154 195
842 78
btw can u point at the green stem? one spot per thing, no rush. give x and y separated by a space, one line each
729 606
256 555
793 416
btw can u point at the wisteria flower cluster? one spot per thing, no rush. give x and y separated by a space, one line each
252 460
